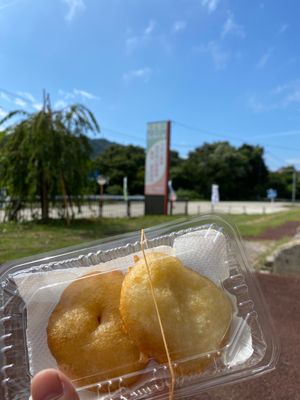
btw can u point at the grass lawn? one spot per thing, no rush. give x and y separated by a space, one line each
19 240
253 225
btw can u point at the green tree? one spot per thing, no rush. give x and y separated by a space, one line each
118 161
46 153
254 186
282 181
240 172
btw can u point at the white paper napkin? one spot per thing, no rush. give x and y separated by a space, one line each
204 251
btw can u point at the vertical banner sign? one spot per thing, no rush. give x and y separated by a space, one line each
157 167
215 197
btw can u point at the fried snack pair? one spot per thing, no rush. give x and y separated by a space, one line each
195 313
106 326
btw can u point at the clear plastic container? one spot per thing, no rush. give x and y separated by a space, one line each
210 245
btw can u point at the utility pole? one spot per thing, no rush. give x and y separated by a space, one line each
294 186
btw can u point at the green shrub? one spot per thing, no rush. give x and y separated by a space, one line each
188 194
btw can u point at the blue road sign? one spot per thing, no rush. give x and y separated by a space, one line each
271 194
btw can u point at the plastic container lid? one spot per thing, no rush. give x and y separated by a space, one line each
103 329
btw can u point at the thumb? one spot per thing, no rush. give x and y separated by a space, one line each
52 385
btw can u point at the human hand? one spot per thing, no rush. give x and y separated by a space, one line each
52 385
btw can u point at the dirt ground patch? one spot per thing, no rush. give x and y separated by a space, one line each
257 251
282 296
288 229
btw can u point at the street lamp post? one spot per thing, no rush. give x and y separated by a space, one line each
101 180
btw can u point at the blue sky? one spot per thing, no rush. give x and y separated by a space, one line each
221 69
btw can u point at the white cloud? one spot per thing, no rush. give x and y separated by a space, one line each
25 100
4 96
211 5
255 104
179 26
74 7
3 113
134 41
293 97
27 96
142 73
7 4
60 104
231 27
37 106
66 95
219 56
279 89
85 94
150 27
77 93
293 161
265 58
20 102
283 28
279 98
131 43
288 93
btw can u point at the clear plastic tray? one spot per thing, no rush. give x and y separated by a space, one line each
209 241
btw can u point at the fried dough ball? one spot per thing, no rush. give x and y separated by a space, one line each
195 313
85 333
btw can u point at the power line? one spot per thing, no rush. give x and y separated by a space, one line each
191 128
280 160
191 145
274 156
200 130
182 124
121 133
277 134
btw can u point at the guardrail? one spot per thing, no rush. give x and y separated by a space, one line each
82 207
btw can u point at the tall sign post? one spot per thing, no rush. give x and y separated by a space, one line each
157 167
101 180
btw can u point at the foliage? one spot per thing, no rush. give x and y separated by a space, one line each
46 153
98 146
52 155
282 181
188 194
114 190
119 161
240 172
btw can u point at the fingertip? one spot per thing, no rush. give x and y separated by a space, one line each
69 390
52 385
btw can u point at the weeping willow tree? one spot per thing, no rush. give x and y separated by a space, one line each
46 153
